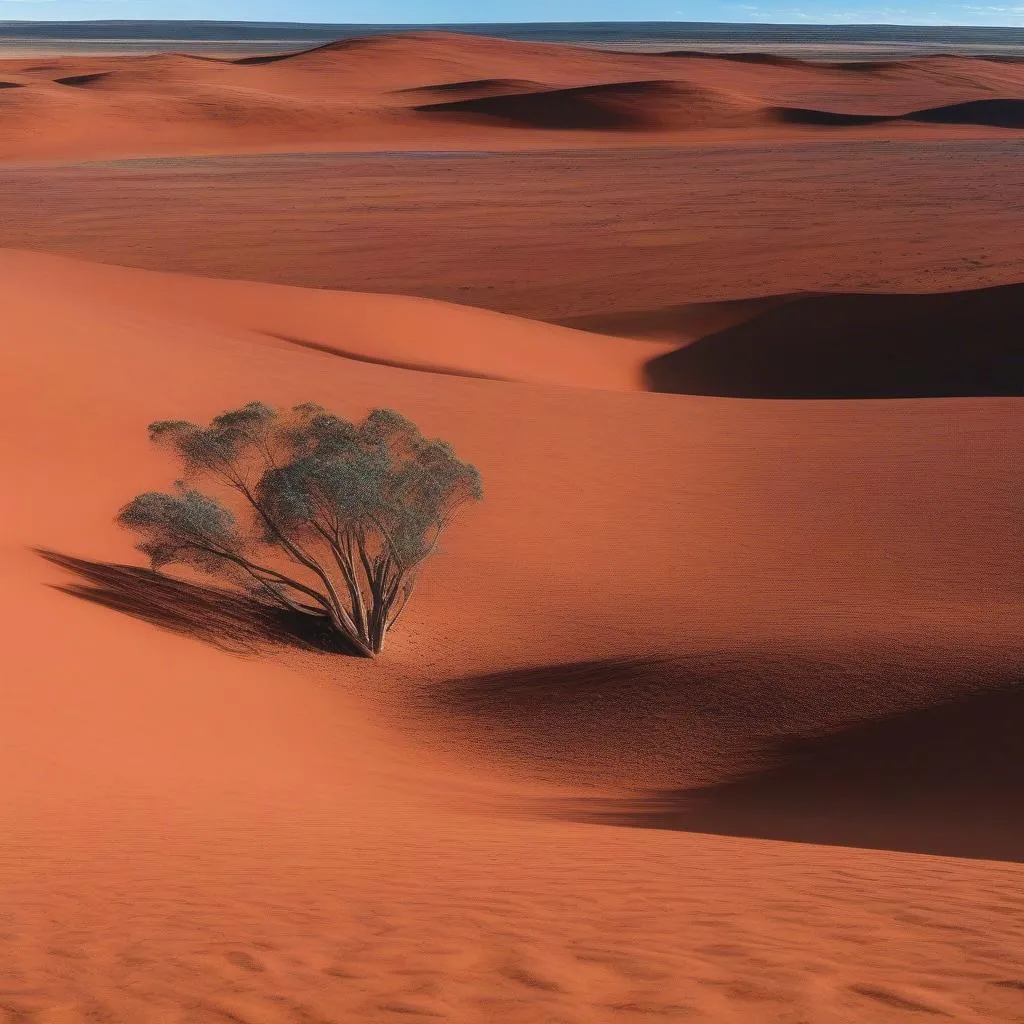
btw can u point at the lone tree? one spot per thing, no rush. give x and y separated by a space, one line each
350 510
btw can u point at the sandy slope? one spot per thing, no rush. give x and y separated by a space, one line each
859 346
195 835
391 330
442 90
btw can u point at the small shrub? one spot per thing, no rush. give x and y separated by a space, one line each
354 509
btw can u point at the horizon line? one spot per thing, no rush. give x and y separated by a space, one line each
485 24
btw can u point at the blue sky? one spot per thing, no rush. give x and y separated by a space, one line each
907 12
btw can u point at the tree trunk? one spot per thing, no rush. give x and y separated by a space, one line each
361 647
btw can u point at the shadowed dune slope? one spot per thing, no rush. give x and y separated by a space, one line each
766 59
860 346
991 113
621 105
867 67
893 748
822 118
666 104
997 113
95 78
939 779
476 87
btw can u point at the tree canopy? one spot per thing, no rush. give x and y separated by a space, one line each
331 518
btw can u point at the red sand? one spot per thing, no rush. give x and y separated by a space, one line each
274 837
553 236
392 330
369 93
677 631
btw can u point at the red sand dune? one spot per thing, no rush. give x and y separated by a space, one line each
368 92
390 330
474 88
373 62
683 323
620 105
832 346
278 834
651 105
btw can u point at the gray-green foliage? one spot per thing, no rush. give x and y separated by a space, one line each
353 508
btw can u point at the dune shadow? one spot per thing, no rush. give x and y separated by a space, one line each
752 57
954 344
946 780
580 108
824 118
228 620
473 86
354 43
395 364
905 749
644 105
83 80
992 113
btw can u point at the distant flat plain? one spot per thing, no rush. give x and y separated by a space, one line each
614 230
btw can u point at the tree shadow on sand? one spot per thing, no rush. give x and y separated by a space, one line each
228 620
945 780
